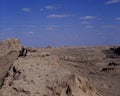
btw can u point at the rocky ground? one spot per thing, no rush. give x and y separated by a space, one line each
62 71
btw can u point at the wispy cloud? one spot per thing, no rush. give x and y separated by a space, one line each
109 26
112 1
52 28
117 19
30 32
30 26
87 18
59 15
8 29
85 22
26 9
49 7
89 27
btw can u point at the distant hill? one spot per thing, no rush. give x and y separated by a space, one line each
8 45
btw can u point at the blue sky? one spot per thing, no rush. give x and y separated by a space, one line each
40 23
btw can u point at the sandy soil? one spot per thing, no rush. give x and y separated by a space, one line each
61 72
97 64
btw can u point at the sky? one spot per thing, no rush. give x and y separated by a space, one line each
39 23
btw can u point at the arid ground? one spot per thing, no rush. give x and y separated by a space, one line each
59 71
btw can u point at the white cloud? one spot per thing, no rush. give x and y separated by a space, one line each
84 22
52 28
87 18
59 15
26 9
30 32
112 1
109 26
89 26
49 7
8 29
30 26
41 9
117 19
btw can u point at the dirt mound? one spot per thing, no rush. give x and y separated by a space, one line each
8 45
72 85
